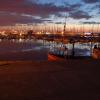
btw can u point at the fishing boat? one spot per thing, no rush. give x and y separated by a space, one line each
96 53
57 53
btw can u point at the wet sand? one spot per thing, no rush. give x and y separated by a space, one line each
48 80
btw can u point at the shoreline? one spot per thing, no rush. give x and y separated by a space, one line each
50 80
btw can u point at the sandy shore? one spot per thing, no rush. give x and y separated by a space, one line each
63 80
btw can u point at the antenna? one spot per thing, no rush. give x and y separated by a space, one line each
64 30
65 25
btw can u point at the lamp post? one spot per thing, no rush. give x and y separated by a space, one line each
72 41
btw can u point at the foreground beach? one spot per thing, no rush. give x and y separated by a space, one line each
46 80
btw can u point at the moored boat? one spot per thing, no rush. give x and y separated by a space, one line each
96 53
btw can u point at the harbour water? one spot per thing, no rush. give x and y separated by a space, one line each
37 50
81 49
22 50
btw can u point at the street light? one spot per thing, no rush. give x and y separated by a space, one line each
72 41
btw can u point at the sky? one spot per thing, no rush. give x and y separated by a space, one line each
49 11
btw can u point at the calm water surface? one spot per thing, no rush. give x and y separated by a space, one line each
21 45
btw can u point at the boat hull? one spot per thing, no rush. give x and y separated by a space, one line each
96 54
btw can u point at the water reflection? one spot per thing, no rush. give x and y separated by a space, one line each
16 45
81 49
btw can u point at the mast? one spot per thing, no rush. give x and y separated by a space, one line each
64 29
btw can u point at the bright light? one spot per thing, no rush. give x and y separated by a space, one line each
87 33
47 33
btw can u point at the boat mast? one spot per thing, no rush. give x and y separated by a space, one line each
64 29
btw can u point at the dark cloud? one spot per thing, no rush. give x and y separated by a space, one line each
91 1
12 18
14 9
40 20
90 22
27 7
59 22
7 18
80 15
98 7
76 6
34 8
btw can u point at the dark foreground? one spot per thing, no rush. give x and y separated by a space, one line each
65 80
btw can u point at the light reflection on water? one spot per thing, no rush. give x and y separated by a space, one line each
81 49
19 45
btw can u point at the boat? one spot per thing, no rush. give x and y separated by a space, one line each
52 57
96 53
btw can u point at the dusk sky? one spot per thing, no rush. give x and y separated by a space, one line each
49 11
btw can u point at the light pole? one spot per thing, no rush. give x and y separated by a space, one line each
72 41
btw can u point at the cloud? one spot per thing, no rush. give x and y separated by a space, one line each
34 8
91 22
24 11
79 15
98 7
90 1
76 6
8 18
